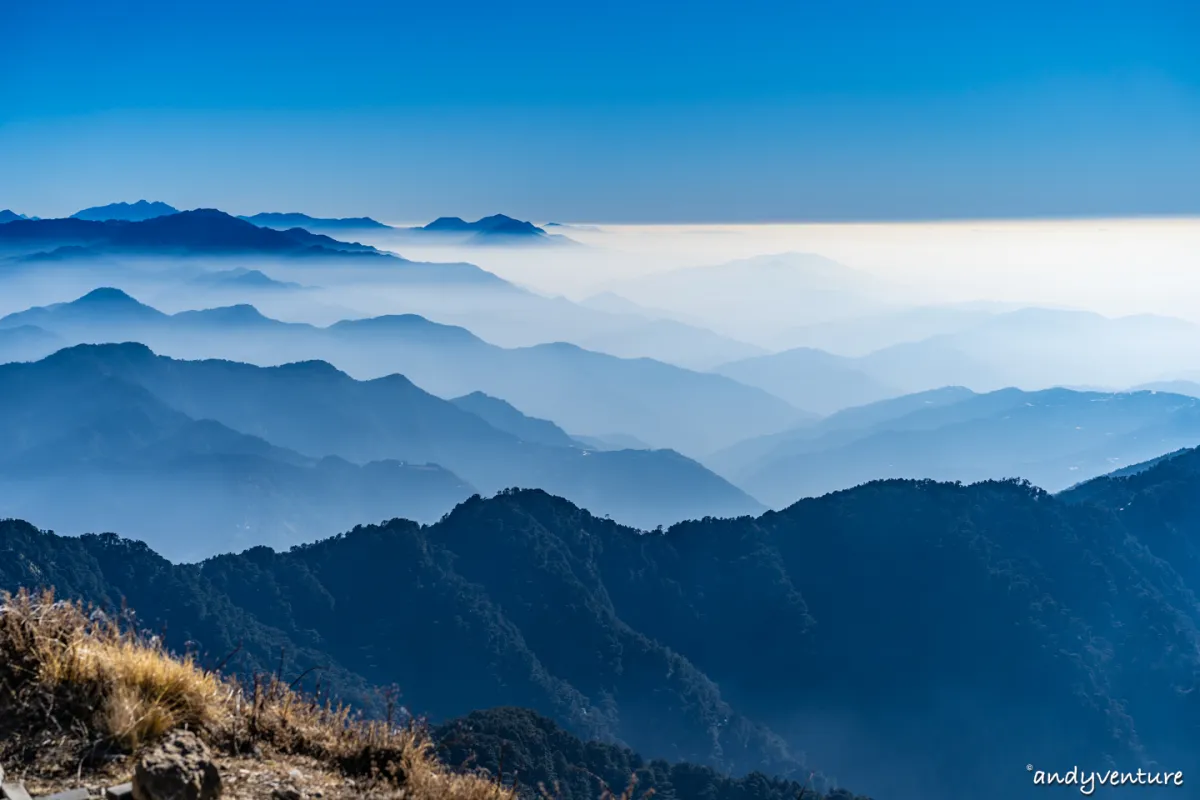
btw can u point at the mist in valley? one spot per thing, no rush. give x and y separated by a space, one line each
681 381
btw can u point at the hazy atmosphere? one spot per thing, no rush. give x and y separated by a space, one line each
760 402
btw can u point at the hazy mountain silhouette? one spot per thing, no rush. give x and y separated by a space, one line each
10 216
504 417
189 486
203 231
27 343
1185 387
613 441
810 379
572 227
103 306
870 629
126 212
1056 437
242 278
285 221
682 344
884 411
585 393
313 409
849 422
1039 347
496 229
497 223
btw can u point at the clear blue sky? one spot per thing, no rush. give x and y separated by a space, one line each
615 111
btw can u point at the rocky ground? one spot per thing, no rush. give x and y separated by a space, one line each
90 710
250 777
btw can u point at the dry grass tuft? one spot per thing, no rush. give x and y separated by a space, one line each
92 687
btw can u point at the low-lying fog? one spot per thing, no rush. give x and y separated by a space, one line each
1112 266
756 348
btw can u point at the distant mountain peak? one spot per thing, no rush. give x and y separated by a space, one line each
295 219
106 294
245 278
108 299
105 304
496 224
404 324
448 224
128 212
312 367
240 313
102 353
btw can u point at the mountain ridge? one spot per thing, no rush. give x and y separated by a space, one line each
595 394
314 409
127 212
603 628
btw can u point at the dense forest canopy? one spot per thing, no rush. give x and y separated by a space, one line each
899 636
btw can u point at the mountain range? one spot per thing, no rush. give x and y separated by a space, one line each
810 379
126 212
864 634
242 448
203 231
289 220
496 229
152 253
1027 347
585 392
244 279
1055 437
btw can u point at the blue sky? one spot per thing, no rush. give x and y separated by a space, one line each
622 111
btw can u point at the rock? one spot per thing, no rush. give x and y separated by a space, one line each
70 794
122 792
13 791
180 768
286 793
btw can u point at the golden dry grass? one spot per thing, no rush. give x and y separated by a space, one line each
97 684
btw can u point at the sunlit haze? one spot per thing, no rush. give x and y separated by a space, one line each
757 400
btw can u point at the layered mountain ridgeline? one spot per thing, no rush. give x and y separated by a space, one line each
27 343
199 457
811 379
8 215
127 212
505 417
920 348
243 279
496 229
1055 438
199 232
191 485
585 392
287 220
909 638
